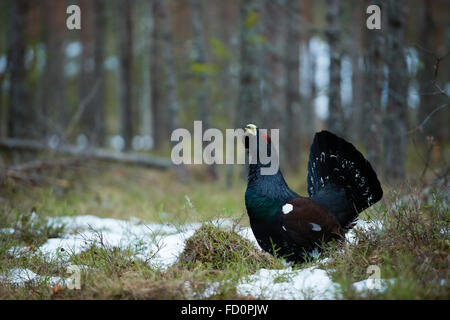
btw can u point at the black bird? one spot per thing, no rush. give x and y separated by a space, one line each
341 184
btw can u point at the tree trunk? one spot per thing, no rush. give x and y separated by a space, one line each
156 105
54 115
126 59
249 98
85 79
270 74
200 59
396 110
54 112
335 112
432 41
292 85
4 6
373 88
308 67
20 116
91 71
98 134
358 43
174 120
171 72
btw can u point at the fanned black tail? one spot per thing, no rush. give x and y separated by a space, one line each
340 178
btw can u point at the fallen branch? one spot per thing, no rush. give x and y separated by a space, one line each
20 171
42 164
89 153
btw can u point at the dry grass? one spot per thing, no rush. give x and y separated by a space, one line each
214 248
411 246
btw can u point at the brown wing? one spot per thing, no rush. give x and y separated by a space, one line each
308 223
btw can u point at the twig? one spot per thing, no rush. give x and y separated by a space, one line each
435 84
76 118
420 126
426 167
427 162
443 174
157 242
436 68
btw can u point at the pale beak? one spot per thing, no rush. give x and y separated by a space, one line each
250 128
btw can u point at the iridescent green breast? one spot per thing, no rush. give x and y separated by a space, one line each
261 208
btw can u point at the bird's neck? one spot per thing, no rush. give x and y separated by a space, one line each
271 186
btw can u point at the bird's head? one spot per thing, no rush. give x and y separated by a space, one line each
262 153
253 132
251 129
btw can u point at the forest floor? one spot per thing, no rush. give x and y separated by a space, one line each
136 233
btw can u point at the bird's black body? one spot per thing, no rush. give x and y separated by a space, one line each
341 183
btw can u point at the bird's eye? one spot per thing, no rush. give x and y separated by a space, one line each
265 137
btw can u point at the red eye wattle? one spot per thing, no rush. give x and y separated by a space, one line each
265 136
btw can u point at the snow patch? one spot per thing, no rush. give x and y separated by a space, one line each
159 243
20 276
309 283
248 234
7 230
372 225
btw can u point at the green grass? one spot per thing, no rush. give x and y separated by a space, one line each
122 192
410 248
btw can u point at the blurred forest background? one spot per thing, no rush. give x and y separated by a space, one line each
138 69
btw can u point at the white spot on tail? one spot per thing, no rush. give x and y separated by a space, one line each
287 208
315 226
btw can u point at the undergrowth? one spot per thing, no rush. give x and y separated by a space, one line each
410 246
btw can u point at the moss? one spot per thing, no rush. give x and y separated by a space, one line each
215 248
